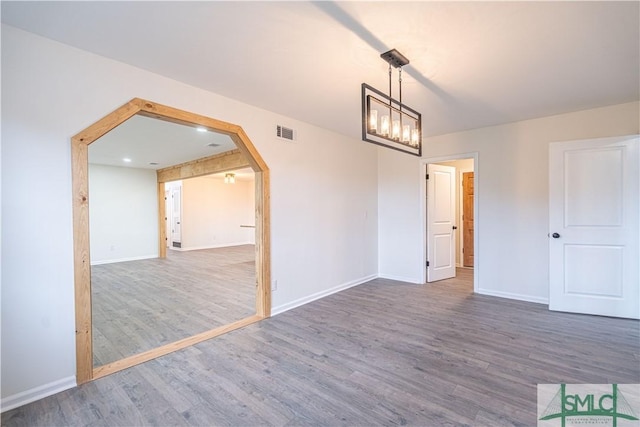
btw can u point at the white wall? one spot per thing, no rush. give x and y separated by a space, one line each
512 217
251 218
323 198
123 213
212 213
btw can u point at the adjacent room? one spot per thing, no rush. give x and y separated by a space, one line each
319 213
150 288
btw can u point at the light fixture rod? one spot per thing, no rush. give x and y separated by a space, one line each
390 95
400 94
400 85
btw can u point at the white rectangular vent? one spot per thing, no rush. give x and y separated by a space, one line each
285 133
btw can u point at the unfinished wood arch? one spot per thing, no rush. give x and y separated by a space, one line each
245 155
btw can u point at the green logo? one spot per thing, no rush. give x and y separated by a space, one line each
585 405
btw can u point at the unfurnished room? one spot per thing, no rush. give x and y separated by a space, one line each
326 213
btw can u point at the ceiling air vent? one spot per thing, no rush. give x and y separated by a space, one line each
285 133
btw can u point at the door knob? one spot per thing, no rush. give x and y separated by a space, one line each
455 227
555 235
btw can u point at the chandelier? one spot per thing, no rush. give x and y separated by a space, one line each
387 121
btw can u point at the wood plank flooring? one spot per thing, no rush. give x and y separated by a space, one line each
141 305
382 353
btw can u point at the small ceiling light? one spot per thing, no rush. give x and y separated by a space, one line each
201 129
387 121
153 163
230 178
126 160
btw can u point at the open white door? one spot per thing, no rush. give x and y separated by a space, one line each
168 208
441 225
176 226
594 234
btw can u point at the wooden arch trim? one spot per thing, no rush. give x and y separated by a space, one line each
245 155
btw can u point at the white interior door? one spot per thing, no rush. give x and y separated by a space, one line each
594 234
168 207
176 226
441 222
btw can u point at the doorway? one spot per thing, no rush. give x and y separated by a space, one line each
167 216
244 155
449 209
173 213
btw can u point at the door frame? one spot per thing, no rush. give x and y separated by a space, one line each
423 211
461 172
245 155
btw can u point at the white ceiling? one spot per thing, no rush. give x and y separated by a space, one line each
473 64
150 143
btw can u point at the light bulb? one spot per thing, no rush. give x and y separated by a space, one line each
384 125
396 130
406 133
373 121
415 137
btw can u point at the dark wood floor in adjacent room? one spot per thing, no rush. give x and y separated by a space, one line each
382 353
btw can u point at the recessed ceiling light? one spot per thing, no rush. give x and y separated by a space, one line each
201 129
126 160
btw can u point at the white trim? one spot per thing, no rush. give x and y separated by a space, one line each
224 245
305 300
412 280
476 197
37 393
135 258
510 295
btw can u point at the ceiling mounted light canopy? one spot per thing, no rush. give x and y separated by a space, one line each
387 121
230 178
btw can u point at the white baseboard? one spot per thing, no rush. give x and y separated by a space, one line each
509 295
37 393
223 245
400 279
305 300
135 258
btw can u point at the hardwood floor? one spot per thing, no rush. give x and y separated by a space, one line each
382 353
141 305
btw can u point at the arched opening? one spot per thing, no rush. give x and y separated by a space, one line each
243 155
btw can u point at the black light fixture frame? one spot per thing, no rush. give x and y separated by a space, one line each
370 94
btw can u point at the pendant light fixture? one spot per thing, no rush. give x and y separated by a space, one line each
387 121
230 178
